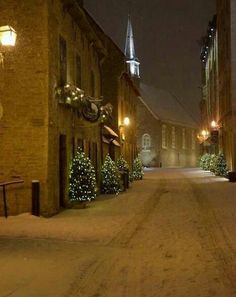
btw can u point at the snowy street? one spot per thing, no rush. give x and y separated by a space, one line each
172 234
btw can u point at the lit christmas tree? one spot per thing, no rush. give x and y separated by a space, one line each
110 177
137 169
205 162
82 178
212 164
221 168
122 164
123 167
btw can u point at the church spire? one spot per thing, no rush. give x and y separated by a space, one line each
131 59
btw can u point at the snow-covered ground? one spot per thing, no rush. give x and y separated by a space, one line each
172 234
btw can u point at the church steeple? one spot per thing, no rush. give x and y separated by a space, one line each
131 59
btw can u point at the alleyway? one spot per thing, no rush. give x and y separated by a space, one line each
172 234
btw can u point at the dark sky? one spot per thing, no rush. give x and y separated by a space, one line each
166 39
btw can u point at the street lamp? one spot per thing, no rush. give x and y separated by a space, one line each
202 137
126 121
7 38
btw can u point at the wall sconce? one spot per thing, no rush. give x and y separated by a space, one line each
215 125
203 136
126 122
7 36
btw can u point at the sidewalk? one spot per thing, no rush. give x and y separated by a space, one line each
98 222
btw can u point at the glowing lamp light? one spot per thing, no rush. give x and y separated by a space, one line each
126 121
7 36
204 133
214 124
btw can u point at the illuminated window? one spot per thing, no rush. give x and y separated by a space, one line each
164 136
173 142
146 142
183 139
78 71
193 140
92 82
62 60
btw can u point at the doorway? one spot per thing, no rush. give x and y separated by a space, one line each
62 170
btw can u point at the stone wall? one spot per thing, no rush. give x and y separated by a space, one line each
33 120
24 93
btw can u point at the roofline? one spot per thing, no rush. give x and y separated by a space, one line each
98 27
148 108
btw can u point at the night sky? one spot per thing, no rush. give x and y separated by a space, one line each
166 40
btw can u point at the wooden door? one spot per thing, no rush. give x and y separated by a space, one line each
62 170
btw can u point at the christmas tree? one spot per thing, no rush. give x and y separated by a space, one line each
221 168
205 162
82 178
110 177
122 164
123 167
212 163
137 169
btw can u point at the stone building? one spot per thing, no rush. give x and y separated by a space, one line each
219 88
56 49
210 91
118 88
166 134
52 86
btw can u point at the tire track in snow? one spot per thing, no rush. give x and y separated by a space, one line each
123 238
215 239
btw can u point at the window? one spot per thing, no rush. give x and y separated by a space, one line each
173 142
183 139
146 142
193 140
62 61
78 70
92 84
164 136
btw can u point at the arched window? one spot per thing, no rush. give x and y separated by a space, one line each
173 142
193 140
93 84
183 138
164 136
146 142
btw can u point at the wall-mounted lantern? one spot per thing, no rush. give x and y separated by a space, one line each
7 36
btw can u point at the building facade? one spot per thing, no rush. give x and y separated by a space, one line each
54 84
166 134
219 89
119 89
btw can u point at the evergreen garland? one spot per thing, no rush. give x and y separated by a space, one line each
137 169
82 178
111 182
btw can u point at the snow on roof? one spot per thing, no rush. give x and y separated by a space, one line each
165 106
